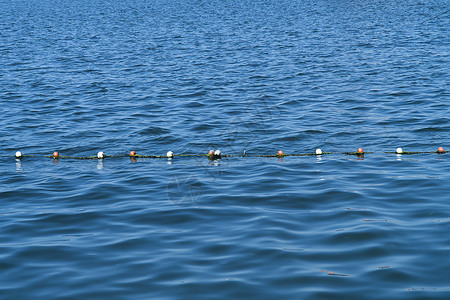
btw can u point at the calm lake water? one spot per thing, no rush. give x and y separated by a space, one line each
80 77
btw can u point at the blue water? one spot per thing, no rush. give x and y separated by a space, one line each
80 77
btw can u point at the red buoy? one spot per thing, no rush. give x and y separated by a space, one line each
133 153
55 154
440 150
360 150
280 153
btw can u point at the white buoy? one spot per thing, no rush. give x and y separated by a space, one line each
399 150
318 151
18 154
169 154
100 155
217 153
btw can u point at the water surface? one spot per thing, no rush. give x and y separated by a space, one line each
80 77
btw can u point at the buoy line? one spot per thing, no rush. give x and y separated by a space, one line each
217 154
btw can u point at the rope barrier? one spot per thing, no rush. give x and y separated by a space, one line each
212 155
435 17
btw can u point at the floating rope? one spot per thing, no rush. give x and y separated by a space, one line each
217 154
435 17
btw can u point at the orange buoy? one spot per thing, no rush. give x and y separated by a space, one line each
440 150
211 153
133 153
360 150
280 153
55 154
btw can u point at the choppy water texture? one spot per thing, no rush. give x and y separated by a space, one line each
257 76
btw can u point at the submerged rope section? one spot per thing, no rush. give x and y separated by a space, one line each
217 154
435 17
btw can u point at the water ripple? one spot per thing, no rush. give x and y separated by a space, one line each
256 76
